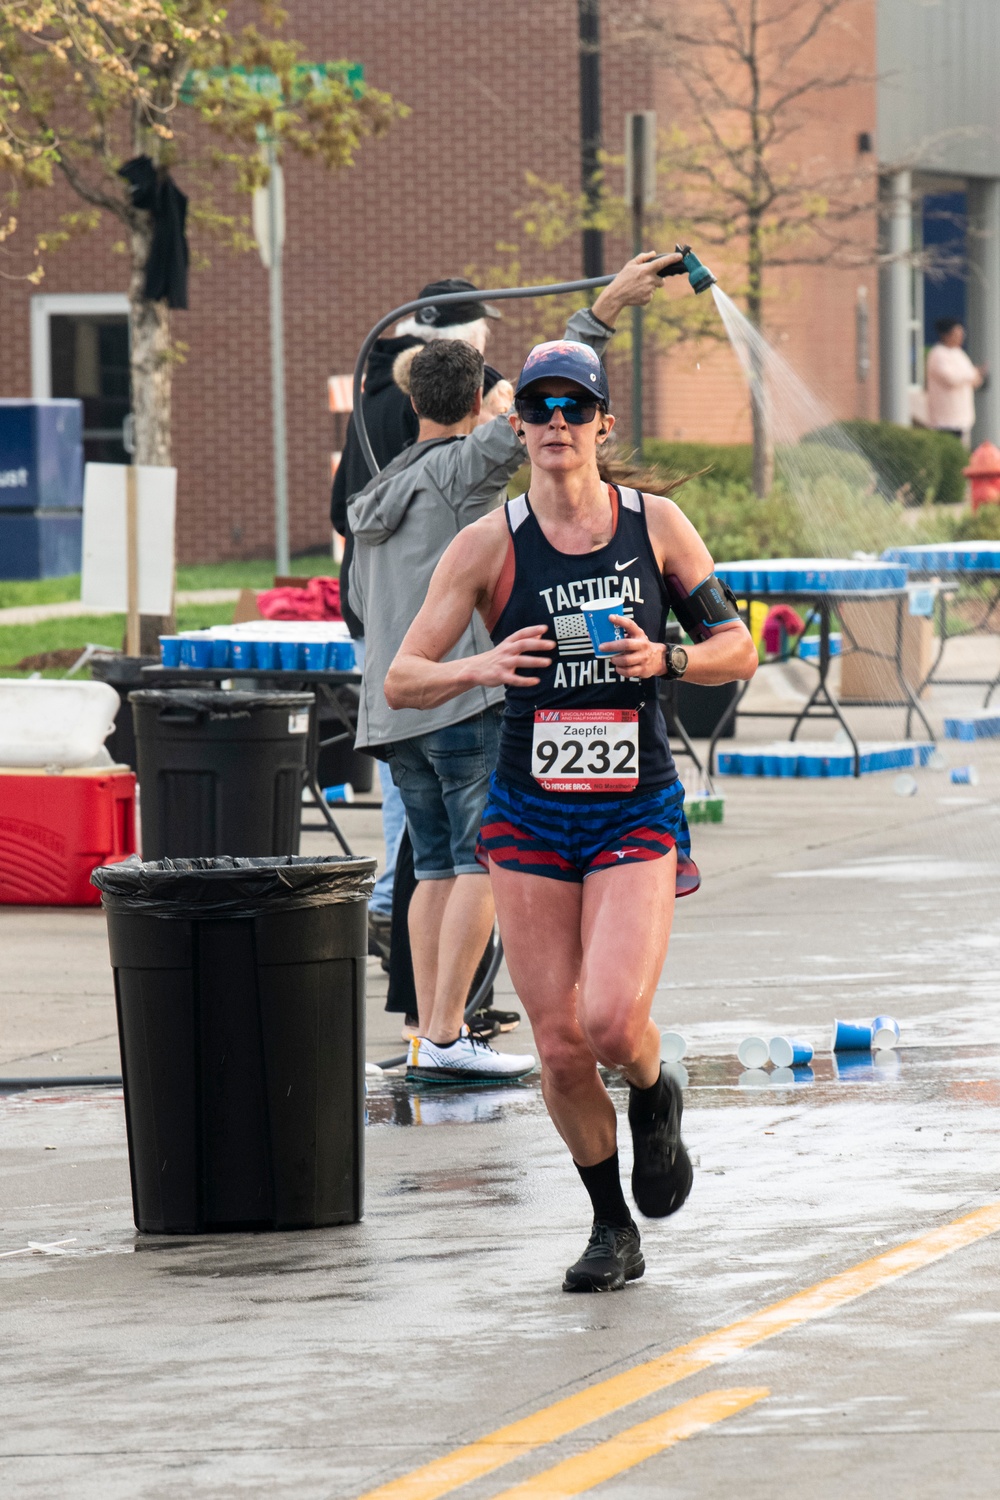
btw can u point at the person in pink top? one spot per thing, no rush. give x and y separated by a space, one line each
951 380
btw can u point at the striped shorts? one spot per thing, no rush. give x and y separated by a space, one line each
565 839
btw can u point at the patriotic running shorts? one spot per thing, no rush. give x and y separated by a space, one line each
565 839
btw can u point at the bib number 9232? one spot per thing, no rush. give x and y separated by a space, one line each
586 749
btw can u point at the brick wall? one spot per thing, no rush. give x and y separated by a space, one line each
493 93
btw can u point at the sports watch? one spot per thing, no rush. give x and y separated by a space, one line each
676 662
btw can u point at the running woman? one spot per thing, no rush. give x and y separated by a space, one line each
584 828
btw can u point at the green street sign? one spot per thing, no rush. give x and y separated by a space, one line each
304 76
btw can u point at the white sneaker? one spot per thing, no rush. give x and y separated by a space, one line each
465 1061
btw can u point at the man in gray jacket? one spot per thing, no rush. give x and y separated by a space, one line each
441 758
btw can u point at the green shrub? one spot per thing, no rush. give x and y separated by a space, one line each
984 526
727 463
736 525
913 464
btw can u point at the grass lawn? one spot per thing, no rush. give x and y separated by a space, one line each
225 575
77 631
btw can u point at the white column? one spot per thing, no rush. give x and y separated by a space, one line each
894 300
983 293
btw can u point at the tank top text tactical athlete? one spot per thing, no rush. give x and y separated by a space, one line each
584 730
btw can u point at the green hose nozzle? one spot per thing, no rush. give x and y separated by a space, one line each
700 277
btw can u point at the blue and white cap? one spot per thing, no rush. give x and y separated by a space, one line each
566 360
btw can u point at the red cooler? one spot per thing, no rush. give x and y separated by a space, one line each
55 829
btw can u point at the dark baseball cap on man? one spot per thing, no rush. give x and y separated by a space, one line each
450 314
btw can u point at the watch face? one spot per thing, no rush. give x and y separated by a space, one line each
678 660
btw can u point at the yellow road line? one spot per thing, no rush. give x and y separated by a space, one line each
442 1475
604 1461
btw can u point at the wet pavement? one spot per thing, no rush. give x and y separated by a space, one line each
330 1363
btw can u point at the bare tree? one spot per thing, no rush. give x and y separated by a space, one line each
753 75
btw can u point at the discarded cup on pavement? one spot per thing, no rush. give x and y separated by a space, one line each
342 792
851 1036
937 761
905 786
753 1052
786 1076
964 776
786 1053
885 1033
672 1046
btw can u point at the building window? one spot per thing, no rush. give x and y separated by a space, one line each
80 348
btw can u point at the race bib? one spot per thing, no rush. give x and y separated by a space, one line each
586 749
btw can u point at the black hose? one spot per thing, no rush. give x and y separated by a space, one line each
499 295
470 1009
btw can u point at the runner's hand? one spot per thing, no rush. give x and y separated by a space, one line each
634 285
505 665
637 655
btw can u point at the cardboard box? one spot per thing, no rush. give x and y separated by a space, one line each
870 624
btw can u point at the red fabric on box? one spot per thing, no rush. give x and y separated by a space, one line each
780 617
318 600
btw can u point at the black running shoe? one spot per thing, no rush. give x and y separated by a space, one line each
612 1257
504 1020
661 1170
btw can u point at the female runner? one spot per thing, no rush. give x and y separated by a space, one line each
584 829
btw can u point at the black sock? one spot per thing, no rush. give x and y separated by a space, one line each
645 1104
604 1185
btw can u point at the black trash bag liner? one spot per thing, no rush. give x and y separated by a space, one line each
227 886
216 703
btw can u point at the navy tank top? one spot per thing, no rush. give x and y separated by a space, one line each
551 588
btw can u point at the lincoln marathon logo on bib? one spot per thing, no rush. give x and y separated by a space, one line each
586 749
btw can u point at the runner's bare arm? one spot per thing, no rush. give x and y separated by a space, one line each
462 582
729 655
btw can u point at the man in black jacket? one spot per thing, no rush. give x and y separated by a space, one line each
392 425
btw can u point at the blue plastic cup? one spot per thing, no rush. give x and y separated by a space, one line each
599 626
315 654
265 655
885 1033
341 656
851 1036
289 656
964 776
342 792
241 654
220 652
752 1052
170 650
187 652
786 1053
201 653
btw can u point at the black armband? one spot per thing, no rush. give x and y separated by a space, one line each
711 603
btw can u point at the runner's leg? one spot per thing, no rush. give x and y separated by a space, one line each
540 929
626 917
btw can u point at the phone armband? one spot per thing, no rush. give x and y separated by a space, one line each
712 603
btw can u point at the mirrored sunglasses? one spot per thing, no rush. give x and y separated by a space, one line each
537 410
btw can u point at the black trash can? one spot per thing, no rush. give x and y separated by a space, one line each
220 773
699 708
240 990
124 673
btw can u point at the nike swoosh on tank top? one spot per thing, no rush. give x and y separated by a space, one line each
552 588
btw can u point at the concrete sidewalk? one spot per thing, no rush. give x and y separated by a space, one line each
326 1364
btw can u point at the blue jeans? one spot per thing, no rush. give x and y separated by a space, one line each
393 822
443 778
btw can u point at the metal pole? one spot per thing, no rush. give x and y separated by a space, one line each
589 19
282 562
638 198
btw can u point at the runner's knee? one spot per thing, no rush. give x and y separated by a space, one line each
615 1037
